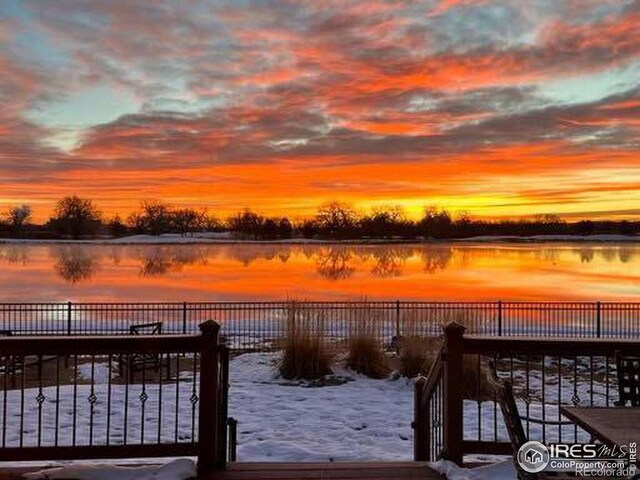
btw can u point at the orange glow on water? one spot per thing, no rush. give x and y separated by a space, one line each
275 272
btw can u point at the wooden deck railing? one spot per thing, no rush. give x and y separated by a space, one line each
455 415
115 397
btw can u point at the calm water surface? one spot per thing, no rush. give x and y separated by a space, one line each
275 272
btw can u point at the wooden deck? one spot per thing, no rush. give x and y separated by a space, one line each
302 471
327 471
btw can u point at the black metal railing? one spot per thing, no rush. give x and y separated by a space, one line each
259 325
114 396
429 412
456 413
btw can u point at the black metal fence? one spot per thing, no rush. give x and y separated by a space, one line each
258 325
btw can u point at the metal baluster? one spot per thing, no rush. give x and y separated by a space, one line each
75 397
108 432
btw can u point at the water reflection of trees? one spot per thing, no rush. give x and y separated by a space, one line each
623 254
249 253
334 262
14 253
548 254
586 254
437 258
338 262
158 260
75 263
390 260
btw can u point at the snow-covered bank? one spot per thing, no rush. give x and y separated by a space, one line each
175 239
552 238
228 238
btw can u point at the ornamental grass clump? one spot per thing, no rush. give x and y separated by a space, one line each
365 353
416 349
306 354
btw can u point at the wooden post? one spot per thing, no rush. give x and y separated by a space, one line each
452 432
233 439
209 391
421 437
224 407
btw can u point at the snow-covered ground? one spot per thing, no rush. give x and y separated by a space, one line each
362 419
365 419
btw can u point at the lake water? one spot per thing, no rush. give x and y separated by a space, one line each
274 272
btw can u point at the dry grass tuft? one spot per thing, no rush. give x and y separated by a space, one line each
365 353
418 351
475 369
306 354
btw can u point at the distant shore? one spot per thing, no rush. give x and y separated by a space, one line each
223 238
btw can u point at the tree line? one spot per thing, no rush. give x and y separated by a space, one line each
75 217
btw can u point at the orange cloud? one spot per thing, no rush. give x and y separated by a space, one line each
282 107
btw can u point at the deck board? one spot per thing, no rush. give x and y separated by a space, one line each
327 471
302 471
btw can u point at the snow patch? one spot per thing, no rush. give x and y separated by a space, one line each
181 469
100 372
553 238
497 471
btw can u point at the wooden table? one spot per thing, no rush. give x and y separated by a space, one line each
614 425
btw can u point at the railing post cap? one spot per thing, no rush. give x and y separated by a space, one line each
209 327
454 328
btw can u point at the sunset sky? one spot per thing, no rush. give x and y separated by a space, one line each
500 108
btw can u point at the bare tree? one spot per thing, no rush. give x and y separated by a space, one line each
154 217
17 217
247 223
389 213
384 221
117 227
76 216
336 217
285 229
436 223
547 219
186 220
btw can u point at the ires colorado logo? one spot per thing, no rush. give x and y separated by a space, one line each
582 459
533 457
